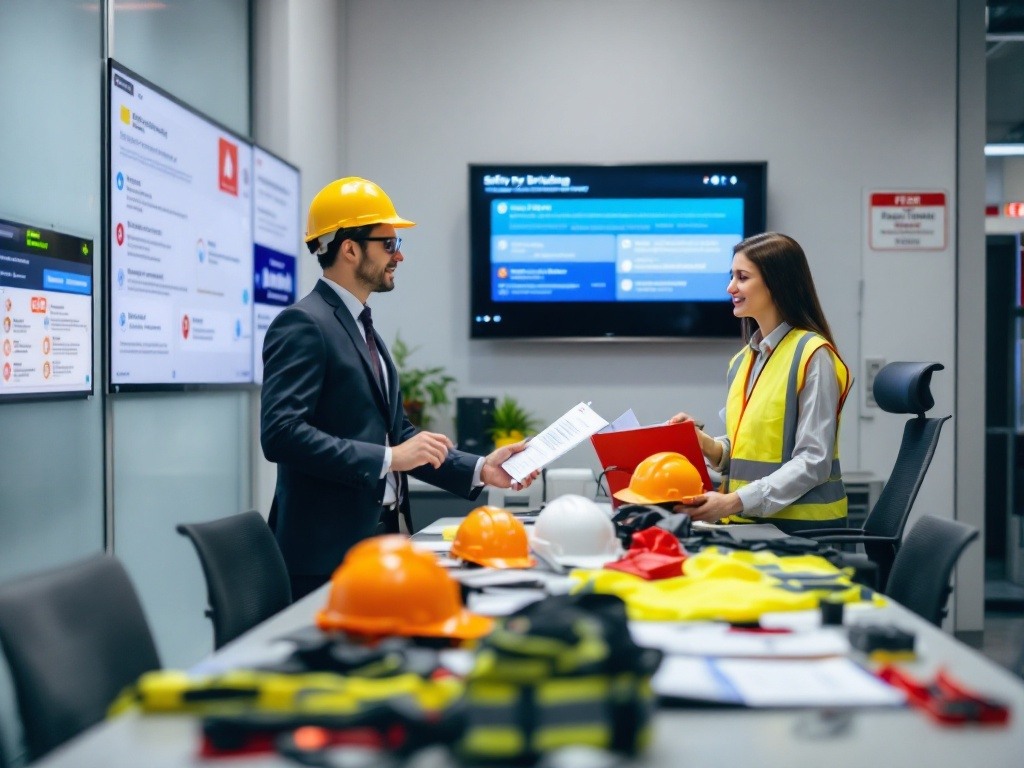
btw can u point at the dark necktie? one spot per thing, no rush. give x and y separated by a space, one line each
371 346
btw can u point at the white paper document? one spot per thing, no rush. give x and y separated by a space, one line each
578 423
719 640
833 682
627 420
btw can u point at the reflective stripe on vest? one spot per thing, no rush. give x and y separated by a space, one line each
762 427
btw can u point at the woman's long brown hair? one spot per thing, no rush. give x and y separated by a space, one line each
787 276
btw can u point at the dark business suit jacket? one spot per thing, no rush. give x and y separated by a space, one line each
324 421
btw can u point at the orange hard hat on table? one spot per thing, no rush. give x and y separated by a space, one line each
493 537
386 586
661 478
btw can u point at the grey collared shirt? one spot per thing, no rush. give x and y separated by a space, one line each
816 426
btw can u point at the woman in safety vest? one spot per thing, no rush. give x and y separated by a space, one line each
787 386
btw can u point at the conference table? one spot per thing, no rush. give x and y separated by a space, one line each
695 736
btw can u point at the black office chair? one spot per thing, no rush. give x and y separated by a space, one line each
246 578
74 637
898 388
923 567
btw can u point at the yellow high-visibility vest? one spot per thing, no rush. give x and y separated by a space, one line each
727 585
762 427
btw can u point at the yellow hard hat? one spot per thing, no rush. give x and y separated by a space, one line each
661 478
350 202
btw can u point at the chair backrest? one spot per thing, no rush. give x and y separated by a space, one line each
904 388
74 637
921 572
246 578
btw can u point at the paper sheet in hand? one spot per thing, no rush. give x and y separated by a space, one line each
578 423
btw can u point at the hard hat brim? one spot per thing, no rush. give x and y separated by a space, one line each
587 562
464 625
632 497
507 562
396 221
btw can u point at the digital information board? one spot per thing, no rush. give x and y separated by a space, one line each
180 243
46 330
276 243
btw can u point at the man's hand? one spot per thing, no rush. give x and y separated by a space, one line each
422 448
492 474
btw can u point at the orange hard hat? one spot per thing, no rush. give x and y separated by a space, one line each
662 478
386 586
493 537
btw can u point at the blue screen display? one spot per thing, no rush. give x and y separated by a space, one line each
608 251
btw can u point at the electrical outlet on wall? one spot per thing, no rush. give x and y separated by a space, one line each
872 365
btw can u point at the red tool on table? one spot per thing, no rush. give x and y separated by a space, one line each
947 700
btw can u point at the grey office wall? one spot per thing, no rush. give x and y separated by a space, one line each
51 454
181 457
174 457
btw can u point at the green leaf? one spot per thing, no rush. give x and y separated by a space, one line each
428 385
510 416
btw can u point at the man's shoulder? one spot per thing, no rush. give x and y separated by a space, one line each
313 303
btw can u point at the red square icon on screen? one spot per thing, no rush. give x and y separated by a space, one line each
227 166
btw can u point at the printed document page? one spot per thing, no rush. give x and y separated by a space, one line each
579 423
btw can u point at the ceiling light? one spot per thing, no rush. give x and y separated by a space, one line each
1003 150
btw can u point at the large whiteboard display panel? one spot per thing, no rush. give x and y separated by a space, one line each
45 313
276 243
180 243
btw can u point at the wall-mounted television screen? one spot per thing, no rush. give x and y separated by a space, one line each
608 251
46 328
276 240
180 243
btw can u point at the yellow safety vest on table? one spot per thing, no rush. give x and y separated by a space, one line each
729 585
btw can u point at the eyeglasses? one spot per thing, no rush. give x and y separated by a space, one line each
391 244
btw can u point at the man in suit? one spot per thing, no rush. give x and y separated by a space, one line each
331 413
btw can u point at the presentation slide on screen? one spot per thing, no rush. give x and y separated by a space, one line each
275 245
45 312
181 250
600 249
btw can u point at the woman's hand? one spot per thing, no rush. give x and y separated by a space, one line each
680 417
708 445
712 506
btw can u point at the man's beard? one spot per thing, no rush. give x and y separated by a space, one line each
374 279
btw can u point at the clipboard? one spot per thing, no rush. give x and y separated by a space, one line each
619 452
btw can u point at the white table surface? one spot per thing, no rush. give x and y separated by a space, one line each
682 737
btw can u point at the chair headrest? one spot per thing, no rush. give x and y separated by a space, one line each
905 387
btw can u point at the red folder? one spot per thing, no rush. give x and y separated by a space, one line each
619 452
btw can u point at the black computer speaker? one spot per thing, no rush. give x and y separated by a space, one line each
473 417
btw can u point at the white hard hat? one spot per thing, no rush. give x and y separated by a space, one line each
572 530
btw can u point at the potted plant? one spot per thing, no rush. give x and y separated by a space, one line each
422 388
511 423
